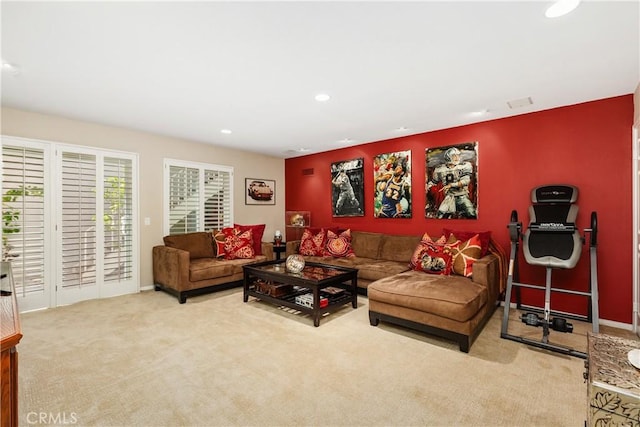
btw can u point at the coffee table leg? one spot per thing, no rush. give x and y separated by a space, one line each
246 287
316 306
354 292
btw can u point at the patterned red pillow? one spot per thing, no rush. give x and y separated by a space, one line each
464 254
340 245
257 232
431 258
426 238
313 244
218 242
238 244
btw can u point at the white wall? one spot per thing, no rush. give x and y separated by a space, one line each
152 149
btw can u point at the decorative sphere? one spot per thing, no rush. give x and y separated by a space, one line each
295 263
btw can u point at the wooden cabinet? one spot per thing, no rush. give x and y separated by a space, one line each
614 383
10 337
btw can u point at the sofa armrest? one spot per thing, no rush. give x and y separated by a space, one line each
170 267
267 250
293 247
485 271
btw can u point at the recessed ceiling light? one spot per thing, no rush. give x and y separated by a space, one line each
346 141
402 129
10 68
561 7
322 97
302 150
226 131
479 113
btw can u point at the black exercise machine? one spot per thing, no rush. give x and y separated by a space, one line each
552 241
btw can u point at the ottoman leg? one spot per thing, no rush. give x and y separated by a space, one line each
465 343
373 319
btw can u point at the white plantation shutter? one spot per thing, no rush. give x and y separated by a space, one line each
70 221
117 218
184 199
200 197
23 209
217 199
78 202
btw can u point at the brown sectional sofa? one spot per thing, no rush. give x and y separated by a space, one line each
454 307
186 265
378 255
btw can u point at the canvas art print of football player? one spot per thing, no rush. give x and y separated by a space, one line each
452 182
392 185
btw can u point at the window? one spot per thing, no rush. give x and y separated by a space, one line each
69 221
24 216
118 217
96 220
199 197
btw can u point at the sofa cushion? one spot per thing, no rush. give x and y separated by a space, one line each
352 262
398 248
212 268
366 244
199 244
257 232
379 269
209 268
454 297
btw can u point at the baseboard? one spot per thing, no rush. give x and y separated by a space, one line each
618 325
604 322
146 288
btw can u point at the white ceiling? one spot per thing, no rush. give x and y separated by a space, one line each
190 69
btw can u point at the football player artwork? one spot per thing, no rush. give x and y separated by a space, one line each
392 185
452 182
347 188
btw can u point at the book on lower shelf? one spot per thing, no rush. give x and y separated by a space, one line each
273 289
333 291
306 300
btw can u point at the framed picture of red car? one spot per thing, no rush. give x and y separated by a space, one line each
259 191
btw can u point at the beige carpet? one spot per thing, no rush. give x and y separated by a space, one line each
145 360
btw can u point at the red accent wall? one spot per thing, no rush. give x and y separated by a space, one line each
588 145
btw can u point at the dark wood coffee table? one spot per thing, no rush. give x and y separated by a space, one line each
314 279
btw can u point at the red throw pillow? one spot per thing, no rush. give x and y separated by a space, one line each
340 245
258 231
238 244
485 237
313 244
440 241
464 254
218 242
431 258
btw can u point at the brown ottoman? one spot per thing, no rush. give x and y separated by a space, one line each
453 307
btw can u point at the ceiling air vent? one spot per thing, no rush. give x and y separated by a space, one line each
308 171
519 103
